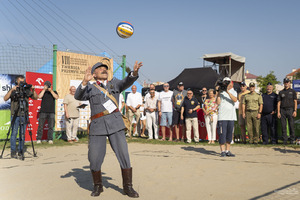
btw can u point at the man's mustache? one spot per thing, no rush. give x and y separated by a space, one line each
104 72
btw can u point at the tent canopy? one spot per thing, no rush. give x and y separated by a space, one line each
230 65
192 78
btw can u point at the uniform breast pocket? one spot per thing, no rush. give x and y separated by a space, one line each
95 99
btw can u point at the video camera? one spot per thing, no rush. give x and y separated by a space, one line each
222 85
23 90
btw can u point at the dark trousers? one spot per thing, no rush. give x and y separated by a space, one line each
50 117
268 125
97 150
286 113
225 130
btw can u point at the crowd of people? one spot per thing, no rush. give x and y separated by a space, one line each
177 109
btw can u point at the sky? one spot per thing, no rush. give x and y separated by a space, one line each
169 35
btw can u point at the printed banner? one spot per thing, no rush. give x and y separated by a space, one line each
37 80
70 71
7 81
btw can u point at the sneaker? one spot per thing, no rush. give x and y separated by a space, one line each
223 154
20 156
75 140
229 154
70 141
13 154
50 141
38 142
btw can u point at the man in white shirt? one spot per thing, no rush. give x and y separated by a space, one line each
152 87
226 117
134 101
121 103
165 109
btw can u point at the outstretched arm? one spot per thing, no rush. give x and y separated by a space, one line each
132 76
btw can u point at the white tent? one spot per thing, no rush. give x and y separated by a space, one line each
230 65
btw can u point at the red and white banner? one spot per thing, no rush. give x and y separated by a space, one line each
37 80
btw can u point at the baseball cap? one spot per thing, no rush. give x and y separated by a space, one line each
252 84
226 79
98 64
243 83
48 83
286 80
180 83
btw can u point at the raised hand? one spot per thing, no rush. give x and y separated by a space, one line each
87 76
136 68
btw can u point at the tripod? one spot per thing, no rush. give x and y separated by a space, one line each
23 120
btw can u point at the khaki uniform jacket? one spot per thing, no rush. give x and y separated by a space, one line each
252 101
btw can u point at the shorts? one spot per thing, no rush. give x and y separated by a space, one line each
242 121
166 116
225 131
176 118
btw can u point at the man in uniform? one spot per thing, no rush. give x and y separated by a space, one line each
242 121
177 99
107 122
287 109
268 116
252 108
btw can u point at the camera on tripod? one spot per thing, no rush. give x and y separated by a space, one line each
23 90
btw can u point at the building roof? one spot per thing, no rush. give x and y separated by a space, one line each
294 72
250 76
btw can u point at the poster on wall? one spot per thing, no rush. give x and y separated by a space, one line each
7 81
70 71
37 80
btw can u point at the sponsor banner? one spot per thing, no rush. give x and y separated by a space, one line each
7 81
70 71
37 80
296 85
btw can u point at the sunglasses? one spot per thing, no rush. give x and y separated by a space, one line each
166 86
204 90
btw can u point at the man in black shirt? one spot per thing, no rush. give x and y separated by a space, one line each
189 112
47 111
287 109
268 117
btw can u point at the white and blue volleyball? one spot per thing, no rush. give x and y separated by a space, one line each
125 29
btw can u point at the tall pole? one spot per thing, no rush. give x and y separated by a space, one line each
54 66
123 74
54 76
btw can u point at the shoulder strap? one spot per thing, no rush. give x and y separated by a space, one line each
107 94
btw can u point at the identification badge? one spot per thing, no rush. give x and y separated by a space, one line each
110 106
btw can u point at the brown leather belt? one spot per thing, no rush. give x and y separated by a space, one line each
102 114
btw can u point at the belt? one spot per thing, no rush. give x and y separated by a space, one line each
252 111
102 114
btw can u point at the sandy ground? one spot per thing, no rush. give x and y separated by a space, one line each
160 172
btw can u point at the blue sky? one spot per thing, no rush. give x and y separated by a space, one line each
169 35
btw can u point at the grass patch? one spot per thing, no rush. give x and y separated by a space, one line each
83 139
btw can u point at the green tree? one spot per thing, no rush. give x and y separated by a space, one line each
297 76
263 81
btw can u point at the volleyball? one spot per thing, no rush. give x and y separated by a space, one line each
125 29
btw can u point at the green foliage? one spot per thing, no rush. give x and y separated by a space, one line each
263 81
297 76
